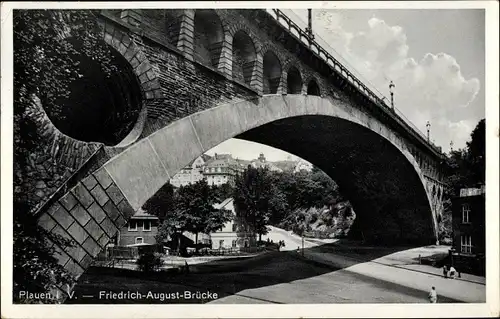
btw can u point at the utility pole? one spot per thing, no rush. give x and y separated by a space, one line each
391 87
428 125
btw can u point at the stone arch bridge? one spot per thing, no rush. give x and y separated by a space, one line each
195 78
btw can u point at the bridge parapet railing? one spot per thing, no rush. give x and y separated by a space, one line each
351 75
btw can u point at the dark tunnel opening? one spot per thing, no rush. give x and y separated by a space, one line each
100 107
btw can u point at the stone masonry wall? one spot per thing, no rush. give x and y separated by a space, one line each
89 215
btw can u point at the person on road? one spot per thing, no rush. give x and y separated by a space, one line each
433 295
445 271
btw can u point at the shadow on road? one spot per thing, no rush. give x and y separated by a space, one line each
225 277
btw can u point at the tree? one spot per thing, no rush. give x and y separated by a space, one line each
253 198
44 66
193 211
466 167
476 153
162 202
222 192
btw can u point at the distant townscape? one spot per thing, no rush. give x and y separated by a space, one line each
222 168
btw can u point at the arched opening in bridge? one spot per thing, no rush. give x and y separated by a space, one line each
272 73
100 107
208 37
313 88
294 81
244 57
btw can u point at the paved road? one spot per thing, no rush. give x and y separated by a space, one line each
284 277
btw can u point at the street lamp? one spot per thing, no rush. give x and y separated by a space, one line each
309 30
391 87
451 146
428 125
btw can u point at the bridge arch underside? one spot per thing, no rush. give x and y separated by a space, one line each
387 194
366 159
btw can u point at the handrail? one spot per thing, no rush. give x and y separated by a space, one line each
368 89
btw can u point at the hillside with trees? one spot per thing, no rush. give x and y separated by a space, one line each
464 168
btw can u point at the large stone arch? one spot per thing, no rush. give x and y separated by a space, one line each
376 172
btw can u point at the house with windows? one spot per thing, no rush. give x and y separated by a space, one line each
234 234
141 229
468 222
221 169
190 174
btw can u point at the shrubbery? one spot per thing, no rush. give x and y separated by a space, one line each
149 261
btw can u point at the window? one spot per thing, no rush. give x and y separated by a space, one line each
234 227
233 244
221 243
465 213
147 225
466 244
132 225
139 240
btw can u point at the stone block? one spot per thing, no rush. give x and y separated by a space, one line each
109 227
89 182
83 195
74 269
68 201
46 222
63 217
125 208
120 222
139 177
58 230
143 67
86 261
104 240
171 149
77 252
96 211
115 194
99 195
130 53
94 229
60 255
80 214
91 246
111 210
103 178
78 233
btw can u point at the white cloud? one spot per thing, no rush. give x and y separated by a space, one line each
429 89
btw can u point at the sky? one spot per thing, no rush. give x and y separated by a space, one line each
435 57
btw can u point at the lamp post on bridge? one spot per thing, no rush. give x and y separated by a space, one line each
428 125
309 30
391 87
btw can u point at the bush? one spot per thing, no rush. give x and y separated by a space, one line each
149 261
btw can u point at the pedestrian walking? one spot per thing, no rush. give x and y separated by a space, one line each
433 295
445 271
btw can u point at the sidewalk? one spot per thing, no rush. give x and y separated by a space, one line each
404 275
408 259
